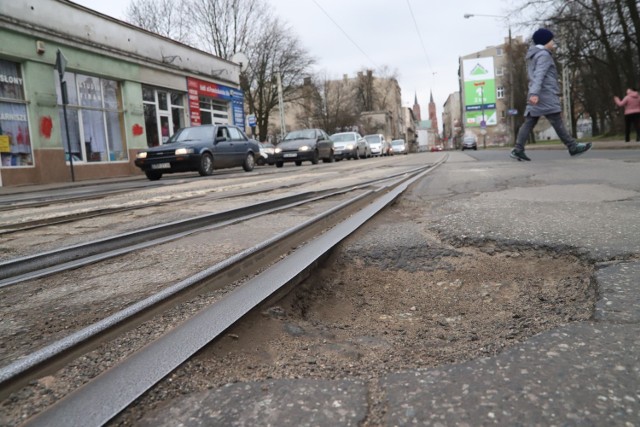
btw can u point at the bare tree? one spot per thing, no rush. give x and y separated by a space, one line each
169 18
600 50
276 50
328 103
225 27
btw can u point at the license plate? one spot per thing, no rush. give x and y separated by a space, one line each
290 155
337 152
161 166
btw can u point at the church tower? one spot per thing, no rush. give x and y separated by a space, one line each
416 109
432 115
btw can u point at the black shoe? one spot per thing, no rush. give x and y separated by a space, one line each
580 148
519 155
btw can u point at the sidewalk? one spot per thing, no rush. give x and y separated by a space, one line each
597 145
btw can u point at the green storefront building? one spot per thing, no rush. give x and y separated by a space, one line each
127 89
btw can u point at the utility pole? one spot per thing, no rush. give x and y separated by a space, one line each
511 90
61 64
283 130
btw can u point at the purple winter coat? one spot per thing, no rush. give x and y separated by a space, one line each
543 81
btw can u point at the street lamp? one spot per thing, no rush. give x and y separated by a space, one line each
511 89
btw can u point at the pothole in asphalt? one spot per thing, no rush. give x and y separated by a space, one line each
362 316
370 311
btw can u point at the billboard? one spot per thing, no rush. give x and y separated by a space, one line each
235 97
479 92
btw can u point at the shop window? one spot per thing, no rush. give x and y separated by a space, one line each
163 114
94 119
15 143
213 112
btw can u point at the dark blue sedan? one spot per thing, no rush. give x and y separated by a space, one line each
200 149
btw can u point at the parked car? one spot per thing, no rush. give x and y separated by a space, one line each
437 148
267 154
378 143
398 146
350 145
469 142
199 148
305 144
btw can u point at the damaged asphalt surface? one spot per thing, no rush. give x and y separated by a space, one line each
579 373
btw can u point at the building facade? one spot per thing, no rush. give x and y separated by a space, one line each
122 89
366 103
451 121
483 77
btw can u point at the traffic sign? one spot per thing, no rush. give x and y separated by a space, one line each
251 119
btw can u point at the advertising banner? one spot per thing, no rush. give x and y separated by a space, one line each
235 97
479 92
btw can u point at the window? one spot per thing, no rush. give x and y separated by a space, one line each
500 92
94 118
213 112
499 51
236 135
499 71
163 114
15 143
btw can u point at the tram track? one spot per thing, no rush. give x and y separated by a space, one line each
24 222
31 267
274 279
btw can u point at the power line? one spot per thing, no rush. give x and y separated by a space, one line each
345 33
424 49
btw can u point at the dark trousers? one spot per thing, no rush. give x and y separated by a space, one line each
631 119
555 120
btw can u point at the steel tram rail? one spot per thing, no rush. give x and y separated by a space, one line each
35 266
105 396
223 314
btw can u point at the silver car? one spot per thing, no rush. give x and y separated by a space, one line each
378 145
398 146
350 145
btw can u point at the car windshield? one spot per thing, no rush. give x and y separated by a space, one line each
397 143
300 134
192 133
372 139
342 137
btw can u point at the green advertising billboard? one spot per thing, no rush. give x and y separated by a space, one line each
479 92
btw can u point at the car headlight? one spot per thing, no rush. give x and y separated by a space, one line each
141 155
183 151
304 148
278 150
349 146
268 150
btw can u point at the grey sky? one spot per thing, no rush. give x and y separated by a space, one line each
385 31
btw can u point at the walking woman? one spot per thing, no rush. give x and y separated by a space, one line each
543 98
631 104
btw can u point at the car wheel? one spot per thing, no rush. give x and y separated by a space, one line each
249 162
153 175
206 165
316 158
298 163
357 156
279 164
462 148
475 148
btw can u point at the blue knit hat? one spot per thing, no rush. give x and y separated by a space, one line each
542 36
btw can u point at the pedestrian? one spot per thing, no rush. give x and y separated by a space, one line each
631 104
543 98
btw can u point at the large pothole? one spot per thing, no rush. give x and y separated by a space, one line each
392 304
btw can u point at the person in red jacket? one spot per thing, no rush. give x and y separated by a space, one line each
631 104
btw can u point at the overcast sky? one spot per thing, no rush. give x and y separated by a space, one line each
383 33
